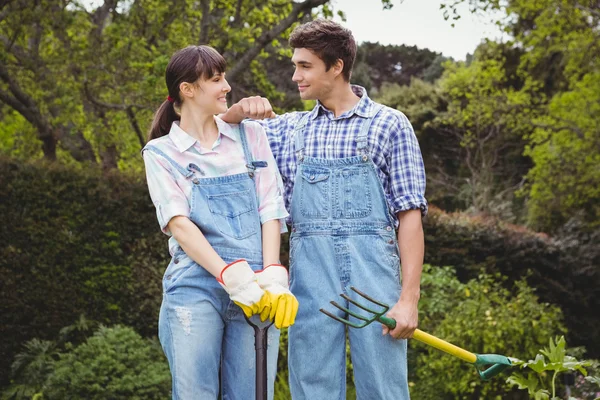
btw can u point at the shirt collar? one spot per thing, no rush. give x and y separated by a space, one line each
183 141
361 108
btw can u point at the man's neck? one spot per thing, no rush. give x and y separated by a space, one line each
340 99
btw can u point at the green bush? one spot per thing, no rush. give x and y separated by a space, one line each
483 317
71 244
564 271
114 363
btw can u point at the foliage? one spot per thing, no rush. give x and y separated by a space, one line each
542 371
72 244
114 363
565 147
486 119
560 46
88 77
560 270
483 317
85 224
377 64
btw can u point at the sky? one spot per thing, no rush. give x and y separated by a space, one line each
417 22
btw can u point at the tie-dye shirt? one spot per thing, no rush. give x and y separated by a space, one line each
171 191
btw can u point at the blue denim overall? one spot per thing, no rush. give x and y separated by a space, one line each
200 329
342 235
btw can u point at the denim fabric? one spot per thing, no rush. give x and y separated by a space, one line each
201 330
342 235
393 147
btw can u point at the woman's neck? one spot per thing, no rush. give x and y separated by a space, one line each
201 127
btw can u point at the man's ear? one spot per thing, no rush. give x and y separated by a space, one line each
338 67
186 89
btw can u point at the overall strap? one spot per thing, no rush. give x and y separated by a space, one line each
362 145
250 163
188 173
299 136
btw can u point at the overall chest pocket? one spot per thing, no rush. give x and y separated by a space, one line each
234 214
315 189
355 193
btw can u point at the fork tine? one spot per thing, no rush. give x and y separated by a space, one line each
370 298
355 315
343 321
357 304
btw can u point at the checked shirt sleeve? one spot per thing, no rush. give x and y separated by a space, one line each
168 198
278 128
269 186
407 171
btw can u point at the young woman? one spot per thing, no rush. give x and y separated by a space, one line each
217 193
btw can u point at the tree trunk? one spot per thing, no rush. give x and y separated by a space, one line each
49 147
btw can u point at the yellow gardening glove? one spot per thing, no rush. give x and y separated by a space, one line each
284 305
240 282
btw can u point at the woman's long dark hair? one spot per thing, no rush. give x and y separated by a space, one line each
186 65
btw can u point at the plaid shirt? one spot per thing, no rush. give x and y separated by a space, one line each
392 144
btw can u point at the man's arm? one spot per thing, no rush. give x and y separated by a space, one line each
407 181
255 107
412 248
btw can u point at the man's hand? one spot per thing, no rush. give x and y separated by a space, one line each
406 314
254 107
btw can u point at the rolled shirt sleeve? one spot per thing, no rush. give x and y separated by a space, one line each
269 186
168 198
407 170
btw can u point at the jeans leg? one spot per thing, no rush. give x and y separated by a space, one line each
317 347
380 365
190 332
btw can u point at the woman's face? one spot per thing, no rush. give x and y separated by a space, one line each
211 94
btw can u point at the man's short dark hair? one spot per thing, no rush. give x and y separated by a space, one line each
329 41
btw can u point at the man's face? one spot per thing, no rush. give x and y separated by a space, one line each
314 82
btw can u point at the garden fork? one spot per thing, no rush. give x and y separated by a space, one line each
260 345
497 363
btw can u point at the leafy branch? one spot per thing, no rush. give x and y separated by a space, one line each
552 359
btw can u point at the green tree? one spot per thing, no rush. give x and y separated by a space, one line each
89 80
486 119
561 40
565 147
391 63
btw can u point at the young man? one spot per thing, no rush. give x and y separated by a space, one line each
353 172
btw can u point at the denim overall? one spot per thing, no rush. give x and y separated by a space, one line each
342 235
200 329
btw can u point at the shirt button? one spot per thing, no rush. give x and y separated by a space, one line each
391 241
388 228
176 261
365 158
312 177
195 180
169 277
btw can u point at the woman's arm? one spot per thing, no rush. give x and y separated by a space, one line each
271 240
195 245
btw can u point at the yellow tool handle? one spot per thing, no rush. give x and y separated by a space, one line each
444 346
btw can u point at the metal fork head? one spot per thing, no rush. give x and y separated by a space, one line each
375 314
